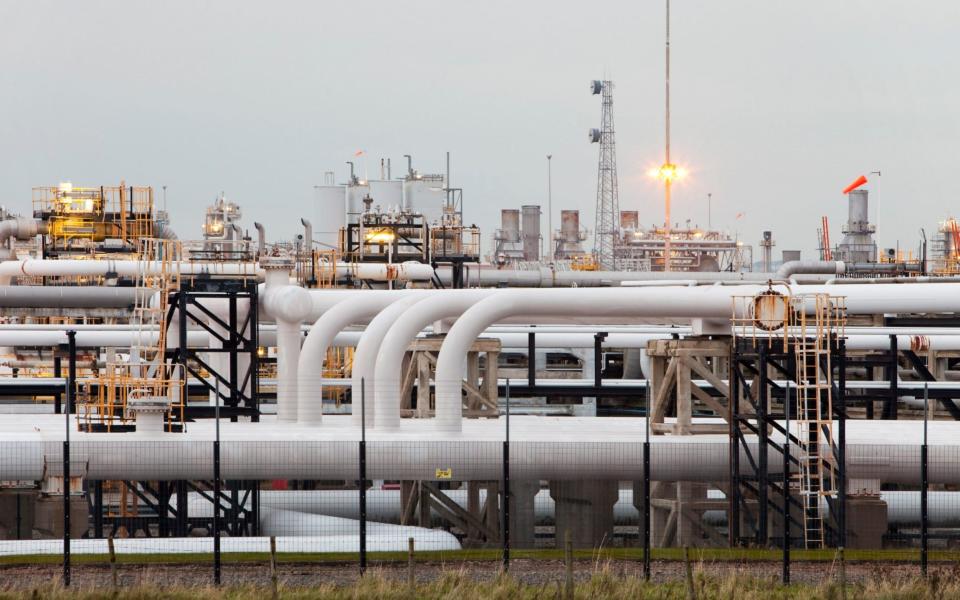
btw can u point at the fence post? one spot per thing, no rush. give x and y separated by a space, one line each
363 477
273 566
688 574
646 490
842 439
216 489
843 574
506 485
113 563
924 538
785 571
568 564
411 580
71 391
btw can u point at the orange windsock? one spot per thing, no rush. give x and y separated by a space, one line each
859 181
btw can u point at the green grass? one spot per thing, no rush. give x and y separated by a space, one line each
600 585
705 554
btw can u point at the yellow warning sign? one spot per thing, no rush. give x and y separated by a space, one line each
444 473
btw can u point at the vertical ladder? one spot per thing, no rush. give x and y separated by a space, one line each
813 338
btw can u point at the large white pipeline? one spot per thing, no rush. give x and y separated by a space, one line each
436 540
551 448
393 345
384 505
711 302
122 268
289 305
132 268
365 356
322 335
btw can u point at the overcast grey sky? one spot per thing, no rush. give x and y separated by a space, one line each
777 105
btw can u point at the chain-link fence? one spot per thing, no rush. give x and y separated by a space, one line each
206 504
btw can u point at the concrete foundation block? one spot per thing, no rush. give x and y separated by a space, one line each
17 510
866 522
522 516
49 517
585 509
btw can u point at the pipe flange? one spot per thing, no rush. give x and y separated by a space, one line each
277 263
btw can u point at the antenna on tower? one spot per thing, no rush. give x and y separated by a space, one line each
608 204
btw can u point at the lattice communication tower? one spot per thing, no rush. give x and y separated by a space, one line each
608 204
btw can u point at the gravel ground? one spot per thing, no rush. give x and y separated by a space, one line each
534 572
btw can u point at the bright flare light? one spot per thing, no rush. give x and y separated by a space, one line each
668 172
379 236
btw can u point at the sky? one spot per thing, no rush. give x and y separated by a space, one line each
776 105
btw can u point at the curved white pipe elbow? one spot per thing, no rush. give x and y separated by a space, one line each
628 303
365 356
289 305
441 305
310 366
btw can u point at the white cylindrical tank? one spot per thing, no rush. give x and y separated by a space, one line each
329 215
426 196
354 201
386 194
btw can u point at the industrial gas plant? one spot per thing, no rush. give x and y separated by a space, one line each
395 373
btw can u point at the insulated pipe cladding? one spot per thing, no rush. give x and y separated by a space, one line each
389 359
289 305
711 302
365 356
310 366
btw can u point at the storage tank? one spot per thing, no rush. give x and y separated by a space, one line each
386 194
329 215
425 195
355 194
531 232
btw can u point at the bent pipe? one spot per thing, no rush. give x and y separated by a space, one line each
636 303
402 332
810 267
365 357
322 334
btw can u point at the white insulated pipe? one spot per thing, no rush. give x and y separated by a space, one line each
562 448
365 356
357 309
394 344
616 302
289 305
714 302
122 268
405 271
